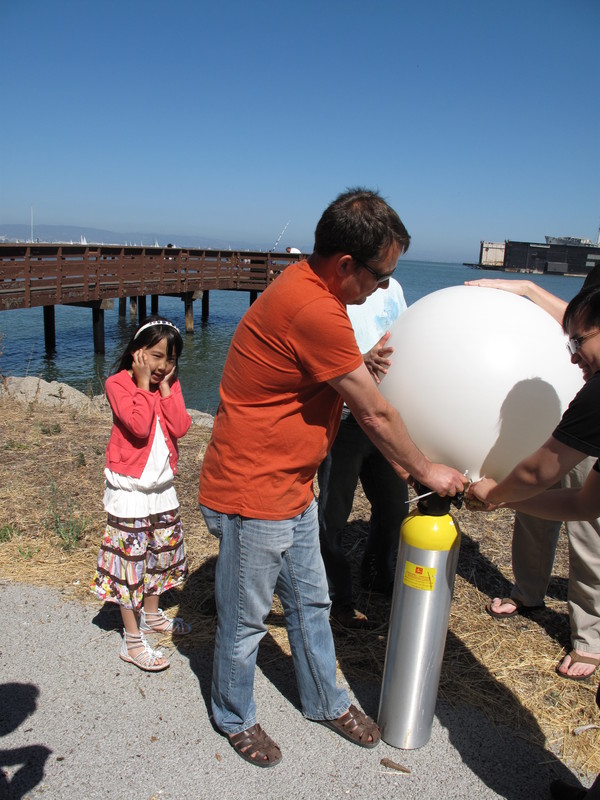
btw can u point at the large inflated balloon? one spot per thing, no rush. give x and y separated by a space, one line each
480 376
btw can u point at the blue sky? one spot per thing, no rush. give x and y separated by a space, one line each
476 120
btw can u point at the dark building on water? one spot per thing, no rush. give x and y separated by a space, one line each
558 255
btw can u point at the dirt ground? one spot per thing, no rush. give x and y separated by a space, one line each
51 523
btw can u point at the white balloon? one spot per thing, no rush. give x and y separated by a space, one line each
480 377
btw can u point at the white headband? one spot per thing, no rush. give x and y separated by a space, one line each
157 322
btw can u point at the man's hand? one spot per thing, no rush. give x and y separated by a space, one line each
445 480
377 358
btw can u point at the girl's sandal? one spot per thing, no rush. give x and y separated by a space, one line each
147 659
158 622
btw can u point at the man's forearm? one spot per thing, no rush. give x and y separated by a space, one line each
388 433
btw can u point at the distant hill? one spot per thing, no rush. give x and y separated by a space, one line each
74 233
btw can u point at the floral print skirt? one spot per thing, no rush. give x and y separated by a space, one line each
138 557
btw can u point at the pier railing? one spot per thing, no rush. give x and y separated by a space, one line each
56 274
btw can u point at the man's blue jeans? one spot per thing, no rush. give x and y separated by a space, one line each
256 558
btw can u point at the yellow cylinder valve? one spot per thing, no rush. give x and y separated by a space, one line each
429 533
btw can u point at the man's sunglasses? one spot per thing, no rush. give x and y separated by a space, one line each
380 277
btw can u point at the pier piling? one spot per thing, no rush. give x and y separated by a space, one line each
49 329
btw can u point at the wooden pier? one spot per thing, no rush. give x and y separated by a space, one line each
47 275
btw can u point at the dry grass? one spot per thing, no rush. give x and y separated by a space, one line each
51 521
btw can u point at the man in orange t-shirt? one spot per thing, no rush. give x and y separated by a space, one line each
292 363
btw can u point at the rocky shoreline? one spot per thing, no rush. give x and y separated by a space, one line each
60 395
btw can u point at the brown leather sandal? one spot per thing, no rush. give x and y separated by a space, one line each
356 727
256 747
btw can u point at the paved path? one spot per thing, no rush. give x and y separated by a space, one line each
77 723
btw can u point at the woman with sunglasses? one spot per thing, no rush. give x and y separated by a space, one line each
576 436
534 540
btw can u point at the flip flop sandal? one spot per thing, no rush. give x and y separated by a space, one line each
504 601
578 658
256 747
518 608
356 727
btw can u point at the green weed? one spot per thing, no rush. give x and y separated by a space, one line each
8 531
50 429
63 521
12 445
27 552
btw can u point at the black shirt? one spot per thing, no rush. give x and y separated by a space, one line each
579 427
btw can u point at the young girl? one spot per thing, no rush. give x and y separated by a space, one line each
142 553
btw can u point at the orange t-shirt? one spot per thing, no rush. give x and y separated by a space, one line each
278 416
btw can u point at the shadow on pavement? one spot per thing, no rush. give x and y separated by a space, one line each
26 764
497 753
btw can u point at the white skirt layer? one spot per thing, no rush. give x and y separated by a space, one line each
138 504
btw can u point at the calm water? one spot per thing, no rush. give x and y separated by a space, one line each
22 332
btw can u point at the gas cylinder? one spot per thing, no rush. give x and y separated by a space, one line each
423 585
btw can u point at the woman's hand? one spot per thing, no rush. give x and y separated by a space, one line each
476 495
520 287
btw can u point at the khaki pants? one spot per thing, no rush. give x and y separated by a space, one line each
533 549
